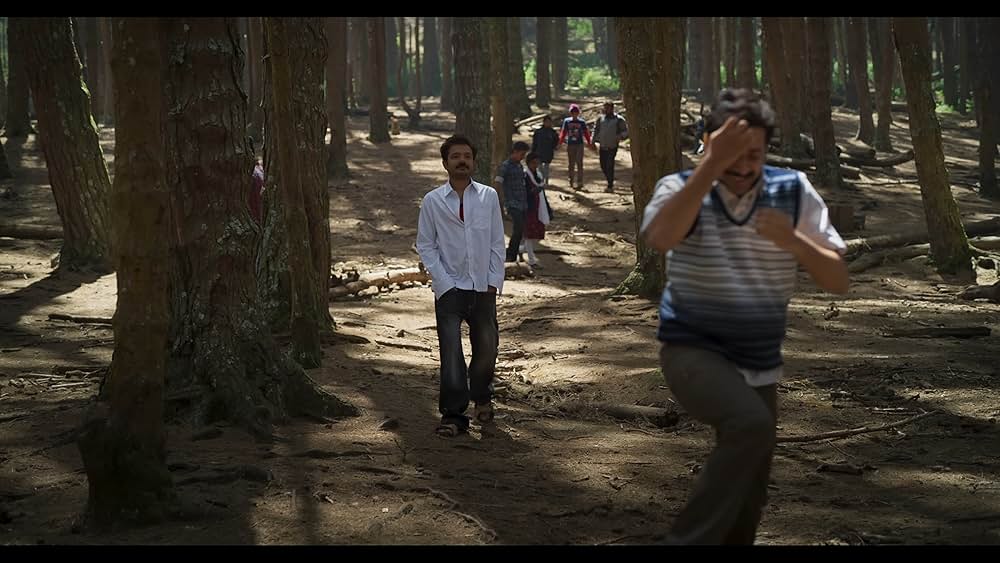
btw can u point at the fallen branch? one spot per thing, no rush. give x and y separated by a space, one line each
541 116
886 162
81 320
991 292
417 347
852 432
384 279
874 259
31 232
918 236
939 332
846 171
659 417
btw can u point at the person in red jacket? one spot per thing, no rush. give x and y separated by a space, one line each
575 133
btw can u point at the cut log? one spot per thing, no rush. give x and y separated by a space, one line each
538 118
31 232
385 279
659 417
886 162
984 243
939 332
846 171
991 292
82 320
857 149
918 236
874 259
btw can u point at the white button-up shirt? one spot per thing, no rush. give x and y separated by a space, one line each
464 254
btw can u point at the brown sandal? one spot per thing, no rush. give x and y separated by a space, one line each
448 430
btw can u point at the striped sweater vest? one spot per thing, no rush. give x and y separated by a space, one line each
728 287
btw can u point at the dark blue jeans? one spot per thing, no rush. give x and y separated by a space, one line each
517 217
458 382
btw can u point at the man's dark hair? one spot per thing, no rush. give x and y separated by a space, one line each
532 156
520 146
741 103
456 140
546 118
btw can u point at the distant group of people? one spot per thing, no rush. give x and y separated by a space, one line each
735 232
609 130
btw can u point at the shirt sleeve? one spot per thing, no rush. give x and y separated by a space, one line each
814 218
665 189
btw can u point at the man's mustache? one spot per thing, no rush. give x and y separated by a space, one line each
746 176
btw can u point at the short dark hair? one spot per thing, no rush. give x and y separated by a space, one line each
520 146
532 156
546 118
456 140
741 103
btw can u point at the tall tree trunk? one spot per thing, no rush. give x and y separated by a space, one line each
987 88
336 101
472 89
543 54
352 101
560 53
850 88
599 28
432 58
857 52
378 113
964 62
796 54
18 123
746 75
394 34
704 58
94 68
651 58
785 93
949 245
820 34
123 439
884 65
612 48
447 65
413 115
255 64
73 155
108 96
224 364
730 40
300 42
520 103
417 84
499 100
5 172
840 56
363 78
949 58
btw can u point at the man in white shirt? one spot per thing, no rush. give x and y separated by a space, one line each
460 240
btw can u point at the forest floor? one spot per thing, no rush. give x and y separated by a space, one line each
545 472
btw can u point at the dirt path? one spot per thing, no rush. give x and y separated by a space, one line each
543 474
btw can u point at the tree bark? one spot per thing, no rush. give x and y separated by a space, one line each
224 364
73 155
949 245
107 112
123 439
393 42
784 93
472 100
336 100
612 46
651 56
94 67
432 58
827 158
5 172
949 58
857 54
296 42
746 75
520 103
560 53
255 62
600 30
884 65
18 123
378 114
447 64
730 39
987 104
543 54
499 90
